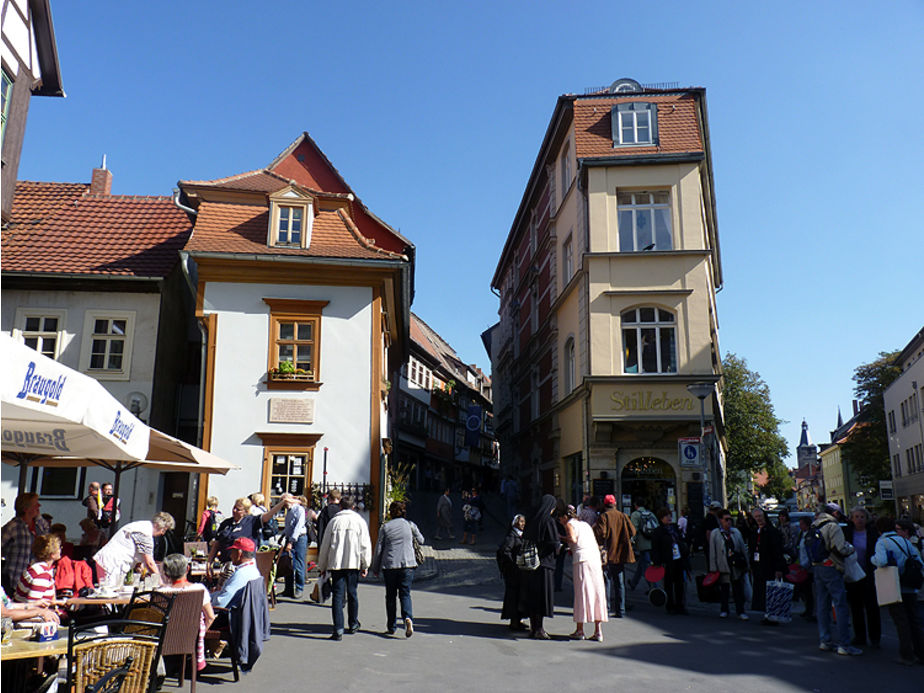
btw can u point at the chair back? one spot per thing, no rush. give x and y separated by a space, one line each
114 680
265 561
149 607
96 649
182 633
191 549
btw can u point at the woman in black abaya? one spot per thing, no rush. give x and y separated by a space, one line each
538 585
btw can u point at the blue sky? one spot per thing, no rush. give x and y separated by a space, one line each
434 113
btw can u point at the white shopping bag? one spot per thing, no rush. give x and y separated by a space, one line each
888 590
853 571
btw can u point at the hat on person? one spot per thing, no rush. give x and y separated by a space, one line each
834 508
715 504
609 499
244 544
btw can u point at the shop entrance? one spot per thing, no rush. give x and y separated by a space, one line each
652 481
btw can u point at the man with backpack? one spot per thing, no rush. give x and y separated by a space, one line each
645 524
825 549
614 532
895 548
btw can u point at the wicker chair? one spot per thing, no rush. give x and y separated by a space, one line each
92 654
182 634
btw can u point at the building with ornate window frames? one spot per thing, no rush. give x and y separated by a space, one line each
610 273
904 406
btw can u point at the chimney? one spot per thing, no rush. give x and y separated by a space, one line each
856 407
101 182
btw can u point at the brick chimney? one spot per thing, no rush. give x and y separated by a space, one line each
101 182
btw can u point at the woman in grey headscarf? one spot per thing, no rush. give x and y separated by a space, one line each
507 554
538 585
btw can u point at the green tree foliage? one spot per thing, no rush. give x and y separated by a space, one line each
752 429
867 448
779 484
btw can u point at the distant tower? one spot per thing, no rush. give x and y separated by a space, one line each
807 452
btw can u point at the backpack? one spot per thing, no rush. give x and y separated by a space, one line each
815 547
912 576
648 523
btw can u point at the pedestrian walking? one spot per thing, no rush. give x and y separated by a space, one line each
507 554
895 548
587 572
645 524
765 551
861 595
614 531
346 552
444 515
669 550
394 557
296 545
538 590
728 558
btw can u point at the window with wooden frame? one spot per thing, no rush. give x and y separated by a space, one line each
288 461
291 216
293 358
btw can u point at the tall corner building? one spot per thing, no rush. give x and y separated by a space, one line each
606 356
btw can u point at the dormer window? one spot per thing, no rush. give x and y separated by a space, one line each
635 123
291 214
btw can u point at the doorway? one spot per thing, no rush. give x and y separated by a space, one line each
650 481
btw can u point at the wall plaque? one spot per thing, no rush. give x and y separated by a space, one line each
291 410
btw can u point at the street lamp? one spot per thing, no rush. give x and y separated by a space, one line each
701 391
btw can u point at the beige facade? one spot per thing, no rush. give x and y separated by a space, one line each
629 328
904 407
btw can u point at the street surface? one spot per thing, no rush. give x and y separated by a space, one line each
461 644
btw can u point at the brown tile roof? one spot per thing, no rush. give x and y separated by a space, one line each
235 228
678 126
112 235
33 200
255 181
440 350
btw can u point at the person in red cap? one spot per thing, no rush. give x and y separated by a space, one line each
245 569
614 532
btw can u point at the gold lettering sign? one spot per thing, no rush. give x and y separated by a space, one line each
642 400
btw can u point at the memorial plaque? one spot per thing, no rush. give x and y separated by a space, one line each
291 410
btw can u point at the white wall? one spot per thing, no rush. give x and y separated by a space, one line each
241 400
138 489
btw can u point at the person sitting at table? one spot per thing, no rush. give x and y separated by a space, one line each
24 612
92 539
37 582
175 570
240 524
67 547
17 537
131 544
243 552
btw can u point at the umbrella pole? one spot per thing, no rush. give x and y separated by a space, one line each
23 471
115 500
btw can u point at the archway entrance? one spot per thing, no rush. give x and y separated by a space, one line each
652 481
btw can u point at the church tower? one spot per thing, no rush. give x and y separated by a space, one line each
807 452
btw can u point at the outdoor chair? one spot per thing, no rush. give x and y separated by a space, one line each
247 609
182 632
113 681
95 650
266 562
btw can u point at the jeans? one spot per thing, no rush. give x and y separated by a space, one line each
643 560
830 590
908 624
299 548
344 583
615 578
397 587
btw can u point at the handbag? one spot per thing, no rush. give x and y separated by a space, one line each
708 593
853 571
418 550
779 601
888 590
528 558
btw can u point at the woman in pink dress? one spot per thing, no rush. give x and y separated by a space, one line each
587 573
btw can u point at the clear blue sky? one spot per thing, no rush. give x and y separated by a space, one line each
434 113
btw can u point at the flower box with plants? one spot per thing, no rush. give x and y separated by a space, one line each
286 370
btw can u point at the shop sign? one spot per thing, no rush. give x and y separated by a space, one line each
664 401
689 452
886 492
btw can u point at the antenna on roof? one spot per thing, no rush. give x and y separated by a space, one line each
103 166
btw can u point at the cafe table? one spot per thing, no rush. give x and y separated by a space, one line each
21 647
114 600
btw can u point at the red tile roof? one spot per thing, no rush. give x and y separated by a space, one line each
33 201
112 235
237 228
678 126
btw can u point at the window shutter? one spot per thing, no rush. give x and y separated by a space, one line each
653 112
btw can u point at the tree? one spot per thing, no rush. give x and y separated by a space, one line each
867 447
751 427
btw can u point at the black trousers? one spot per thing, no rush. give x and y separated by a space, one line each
908 624
673 586
864 611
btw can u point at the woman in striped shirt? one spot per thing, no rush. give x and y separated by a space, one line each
38 580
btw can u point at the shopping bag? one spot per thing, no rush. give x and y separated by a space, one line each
853 571
779 601
708 594
888 590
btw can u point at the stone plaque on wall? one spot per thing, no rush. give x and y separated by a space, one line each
291 410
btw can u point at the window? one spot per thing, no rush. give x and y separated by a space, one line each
287 464
644 221
891 417
897 464
569 365
567 260
7 95
53 483
419 374
290 219
42 329
635 123
565 170
294 343
649 344
534 392
107 344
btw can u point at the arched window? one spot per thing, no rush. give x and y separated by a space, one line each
649 341
569 365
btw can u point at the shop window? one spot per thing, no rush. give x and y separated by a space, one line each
288 463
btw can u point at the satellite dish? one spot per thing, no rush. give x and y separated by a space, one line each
624 85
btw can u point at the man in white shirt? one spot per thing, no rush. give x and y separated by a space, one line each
346 552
